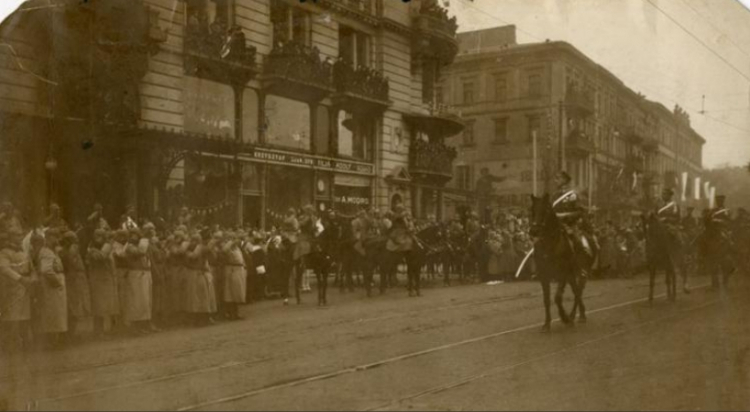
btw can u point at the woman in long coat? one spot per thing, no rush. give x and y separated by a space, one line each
79 297
138 282
52 312
199 285
235 275
105 302
17 278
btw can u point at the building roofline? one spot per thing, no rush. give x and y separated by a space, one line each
564 46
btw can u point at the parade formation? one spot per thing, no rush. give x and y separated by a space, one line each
140 276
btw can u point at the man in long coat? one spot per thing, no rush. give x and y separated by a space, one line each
105 302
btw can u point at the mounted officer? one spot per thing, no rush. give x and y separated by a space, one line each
719 244
669 215
570 213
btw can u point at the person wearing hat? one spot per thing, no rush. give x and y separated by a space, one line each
199 285
400 245
719 244
157 256
52 308
54 220
177 275
307 225
79 296
216 264
119 243
570 213
17 280
127 220
102 282
10 219
669 214
234 288
138 283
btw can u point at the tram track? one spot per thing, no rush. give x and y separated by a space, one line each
395 359
49 402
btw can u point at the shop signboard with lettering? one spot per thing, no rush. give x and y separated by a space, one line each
308 161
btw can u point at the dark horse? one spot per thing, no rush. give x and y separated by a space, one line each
663 251
556 259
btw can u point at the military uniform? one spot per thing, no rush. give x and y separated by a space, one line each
668 214
570 213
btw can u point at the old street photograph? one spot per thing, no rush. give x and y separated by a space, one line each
374 205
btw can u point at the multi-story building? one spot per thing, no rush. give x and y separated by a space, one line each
236 109
531 109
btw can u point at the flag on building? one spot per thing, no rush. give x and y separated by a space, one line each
712 198
684 186
707 190
697 191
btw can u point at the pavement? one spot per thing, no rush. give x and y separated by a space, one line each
473 347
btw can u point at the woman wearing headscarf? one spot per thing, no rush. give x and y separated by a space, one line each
79 297
17 280
102 281
199 285
52 310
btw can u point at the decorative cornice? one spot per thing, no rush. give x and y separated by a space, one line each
396 27
346 11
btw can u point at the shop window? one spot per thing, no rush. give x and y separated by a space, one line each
251 178
250 129
322 131
463 177
355 135
430 76
287 123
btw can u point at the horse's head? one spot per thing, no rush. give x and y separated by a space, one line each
539 213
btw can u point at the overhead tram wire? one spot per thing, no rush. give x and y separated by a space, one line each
691 34
715 28
471 5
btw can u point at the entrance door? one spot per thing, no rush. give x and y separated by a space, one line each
251 211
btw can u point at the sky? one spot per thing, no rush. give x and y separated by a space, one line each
653 51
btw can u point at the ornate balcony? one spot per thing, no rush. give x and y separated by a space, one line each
362 10
579 144
219 54
297 71
635 162
435 34
634 134
579 103
431 161
362 89
441 122
650 144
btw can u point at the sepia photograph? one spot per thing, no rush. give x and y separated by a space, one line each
358 205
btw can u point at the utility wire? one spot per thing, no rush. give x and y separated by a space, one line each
698 39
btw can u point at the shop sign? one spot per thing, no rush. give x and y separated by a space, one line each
302 160
352 200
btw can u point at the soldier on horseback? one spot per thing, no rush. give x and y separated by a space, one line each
571 215
669 215
719 245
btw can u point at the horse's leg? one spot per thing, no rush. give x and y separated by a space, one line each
580 287
559 301
547 304
324 283
669 279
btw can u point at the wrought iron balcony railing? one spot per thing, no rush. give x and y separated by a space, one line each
218 53
363 81
299 63
432 158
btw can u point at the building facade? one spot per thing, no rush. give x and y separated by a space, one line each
532 109
235 109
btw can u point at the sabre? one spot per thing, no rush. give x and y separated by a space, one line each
523 262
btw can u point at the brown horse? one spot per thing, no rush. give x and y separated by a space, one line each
663 251
556 259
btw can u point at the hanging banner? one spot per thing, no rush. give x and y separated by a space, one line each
269 156
707 190
697 191
712 198
684 186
